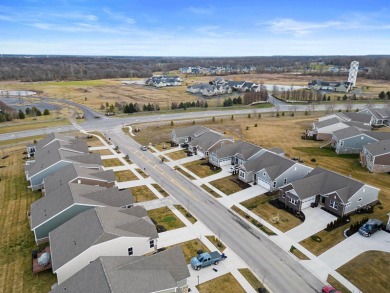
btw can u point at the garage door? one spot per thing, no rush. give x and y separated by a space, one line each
264 184
306 203
225 162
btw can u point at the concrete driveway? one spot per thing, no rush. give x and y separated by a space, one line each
353 246
315 221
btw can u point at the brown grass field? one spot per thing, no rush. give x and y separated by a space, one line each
191 247
17 240
126 175
142 193
93 93
251 278
165 217
112 162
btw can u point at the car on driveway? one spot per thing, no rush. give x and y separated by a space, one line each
144 148
329 289
370 227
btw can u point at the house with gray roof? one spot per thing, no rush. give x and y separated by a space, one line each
208 142
337 193
163 272
186 134
71 191
236 153
379 116
376 156
163 80
54 136
351 140
56 154
272 171
324 128
101 231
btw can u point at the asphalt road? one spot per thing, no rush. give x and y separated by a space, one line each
283 273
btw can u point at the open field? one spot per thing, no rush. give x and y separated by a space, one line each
190 248
225 283
201 168
20 141
94 93
125 175
17 240
30 124
279 218
142 193
166 218
369 271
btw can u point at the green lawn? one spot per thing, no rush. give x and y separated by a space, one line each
166 218
229 185
201 168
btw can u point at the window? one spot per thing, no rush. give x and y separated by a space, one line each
151 243
360 199
206 153
293 200
274 184
130 251
334 204
242 174
264 174
284 181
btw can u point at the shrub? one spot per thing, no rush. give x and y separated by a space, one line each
247 128
256 125
46 112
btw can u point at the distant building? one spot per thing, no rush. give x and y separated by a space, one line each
330 86
163 80
353 72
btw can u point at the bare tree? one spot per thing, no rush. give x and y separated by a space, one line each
348 106
293 108
330 107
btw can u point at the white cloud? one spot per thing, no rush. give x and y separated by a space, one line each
300 28
118 16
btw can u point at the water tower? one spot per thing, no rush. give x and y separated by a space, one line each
353 71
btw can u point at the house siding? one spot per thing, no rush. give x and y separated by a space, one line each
43 230
115 247
353 145
340 206
296 172
367 193
37 179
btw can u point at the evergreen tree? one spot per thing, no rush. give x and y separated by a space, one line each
46 112
21 114
28 111
382 95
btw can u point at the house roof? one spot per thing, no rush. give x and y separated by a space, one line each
76 151
61 194
353 116
95 226
242 149
325 123
130 274
379 148
191 131
358 125
322 181
347 132
378 135
206 140
277 151
274 164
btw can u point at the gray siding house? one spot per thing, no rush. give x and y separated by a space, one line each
379 116
338 194
376 156
208 142
351 140
71 191
236 153
56 154
101 231
186 134
272 171
163 272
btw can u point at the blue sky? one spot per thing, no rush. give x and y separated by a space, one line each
195 28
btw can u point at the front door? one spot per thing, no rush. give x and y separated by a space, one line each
322 201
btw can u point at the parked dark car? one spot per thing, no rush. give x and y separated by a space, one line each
370 227
144 148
